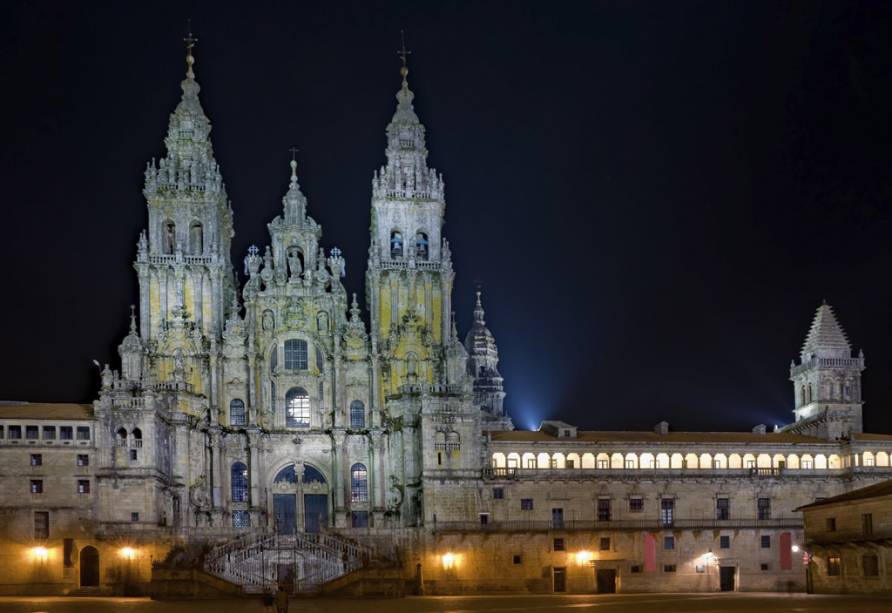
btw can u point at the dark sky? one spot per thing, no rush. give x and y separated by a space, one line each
656 196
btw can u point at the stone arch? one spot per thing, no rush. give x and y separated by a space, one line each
558 461
196 238
603 461
763 461
807 462
705 460
528 460
616 460
778 460
749 461
422 245
691 461
573 460
834 462
543 460
646 461
676 461
631 461
396 243
793 461
882 458
588 460
498 460
168 237
868 459
89 563
662 460
513 460
821 461
734 461
719 461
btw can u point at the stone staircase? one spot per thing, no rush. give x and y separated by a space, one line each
302 562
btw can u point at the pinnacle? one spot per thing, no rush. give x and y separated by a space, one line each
826 338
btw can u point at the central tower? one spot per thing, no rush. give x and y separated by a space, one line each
409 275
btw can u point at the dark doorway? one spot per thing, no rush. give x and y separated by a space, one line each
89 558
285 513
560 579
315 512
285 576
606 580
726 574
557 518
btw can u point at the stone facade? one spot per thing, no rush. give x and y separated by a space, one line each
269 417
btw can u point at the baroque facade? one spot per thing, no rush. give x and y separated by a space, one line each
270 423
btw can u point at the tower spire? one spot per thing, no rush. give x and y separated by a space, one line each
190 43
404 55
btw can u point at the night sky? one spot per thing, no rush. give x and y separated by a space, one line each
655 196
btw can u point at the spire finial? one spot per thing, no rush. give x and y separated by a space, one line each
404 55
478 307
293 151
190 43
132 319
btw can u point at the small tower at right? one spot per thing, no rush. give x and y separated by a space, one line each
827 381
483 364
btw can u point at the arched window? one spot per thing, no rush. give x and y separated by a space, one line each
136 441
396 244
272 396
359 483
421 245
237 412
357 414
297 408
196 239
296 354
169 238
239 482
121 437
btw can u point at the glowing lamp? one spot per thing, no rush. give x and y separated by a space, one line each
40 554
584 557
449 560
128 553
795 548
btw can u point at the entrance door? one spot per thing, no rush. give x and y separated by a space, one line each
89 558
285 513
606 580
557 518
560 579
315 512
726 574
285 576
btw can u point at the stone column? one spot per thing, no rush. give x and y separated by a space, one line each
216 479
338 437
254 467
377 493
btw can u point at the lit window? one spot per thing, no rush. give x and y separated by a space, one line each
241 519
36 486
239 482
807 464
359 483
526 504
237 412
296 354
833 565
83 460
83 486
297 408
36 459
357 415
603 464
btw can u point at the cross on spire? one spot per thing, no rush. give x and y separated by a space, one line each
293 151
190 43
404 54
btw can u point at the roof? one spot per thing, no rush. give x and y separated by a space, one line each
876 490
652 437
826 337
864 436
45 410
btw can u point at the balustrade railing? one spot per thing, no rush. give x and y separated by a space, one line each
655 523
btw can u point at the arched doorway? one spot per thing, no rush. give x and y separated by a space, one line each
304 483
89 559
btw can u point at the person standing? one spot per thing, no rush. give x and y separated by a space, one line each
281 600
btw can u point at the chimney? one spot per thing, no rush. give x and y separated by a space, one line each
662 427
760 429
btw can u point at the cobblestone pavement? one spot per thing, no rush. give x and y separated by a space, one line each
703 603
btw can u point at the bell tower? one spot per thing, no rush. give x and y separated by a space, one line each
409 276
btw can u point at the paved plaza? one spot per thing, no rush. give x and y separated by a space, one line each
712 603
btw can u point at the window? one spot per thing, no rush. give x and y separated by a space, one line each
498 493
37 486
136 440
833 565
763 566
41 524
66 433
239 482
603 464
867 524
603 509
557 518
396 244
134 516
723 508
605 543
570 464
635 568
49 433
359 519
558 545
1 431
237 412
421 245
297 408
831 524
196 246
630 463
517 559
83 460
807 464
83 486
667 511
668 568
531 463
134 455
170 233
725 542
869 461
15 432
295 354
750 463
764 507
668 542
526 504
36 459
484 519
636 505
359 483
871 565
273 359
766 541
83 433
241 519
32 433
357 415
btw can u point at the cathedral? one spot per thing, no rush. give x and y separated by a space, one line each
268 424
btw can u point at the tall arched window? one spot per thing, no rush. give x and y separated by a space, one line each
136 441
421 246
237 412
169 237
396 244
121 437
359 483
196 239
297 408
296 354
239 482
357 414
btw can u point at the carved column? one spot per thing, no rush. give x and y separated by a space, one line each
254 468
216 479
378 460
338 470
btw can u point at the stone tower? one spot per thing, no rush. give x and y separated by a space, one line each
483 365
827 381
409 277
186 279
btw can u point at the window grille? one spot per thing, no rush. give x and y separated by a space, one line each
241 519
636 505
237 412
526 504
667 512
83 486
41 524
49 433
83 433
357 414
723 508
297 408
764 507
359 483
603 509
668 542
66 433
296 354
239 482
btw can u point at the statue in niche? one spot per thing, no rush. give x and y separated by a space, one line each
322 322
295 268
179 365
269 321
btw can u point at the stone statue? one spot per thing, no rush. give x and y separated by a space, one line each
269 321
294 265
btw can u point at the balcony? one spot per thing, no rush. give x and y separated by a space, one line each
617 524
564 474
849 536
